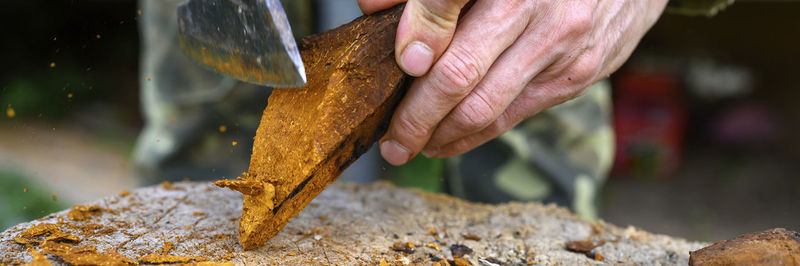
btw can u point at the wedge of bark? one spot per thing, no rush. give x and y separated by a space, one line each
308 136
772 247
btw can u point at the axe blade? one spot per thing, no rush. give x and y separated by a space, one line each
249 40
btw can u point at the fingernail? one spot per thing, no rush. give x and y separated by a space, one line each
430 152
394 153
417 59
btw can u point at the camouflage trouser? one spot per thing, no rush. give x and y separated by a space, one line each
561 155
193 116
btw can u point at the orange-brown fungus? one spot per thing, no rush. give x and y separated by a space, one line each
161 259
308 136
88 255
38 259
83 213
59 243
26 237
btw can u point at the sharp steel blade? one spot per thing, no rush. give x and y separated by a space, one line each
250 40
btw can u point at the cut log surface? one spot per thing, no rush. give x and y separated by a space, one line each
346 225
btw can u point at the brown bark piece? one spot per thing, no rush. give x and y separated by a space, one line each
308 136
772 247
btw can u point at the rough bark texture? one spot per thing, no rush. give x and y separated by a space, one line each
345 225
772 247
308 136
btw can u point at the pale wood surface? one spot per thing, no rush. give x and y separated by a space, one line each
353 224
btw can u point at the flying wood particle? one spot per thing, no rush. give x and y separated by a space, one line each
472 237
234 143
124 193
149 79
98 36
52 64
55 197
25 190
69 95
11 113
223 128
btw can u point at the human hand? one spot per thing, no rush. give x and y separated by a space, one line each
483 66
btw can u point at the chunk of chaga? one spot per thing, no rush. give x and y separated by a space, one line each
772 247
309 135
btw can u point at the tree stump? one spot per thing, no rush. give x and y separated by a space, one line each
347 225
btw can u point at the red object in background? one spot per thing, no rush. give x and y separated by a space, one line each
650 121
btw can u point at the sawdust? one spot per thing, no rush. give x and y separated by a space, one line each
471 237
59 243
433 246
161 256
88 255
83 213
161 259
38 259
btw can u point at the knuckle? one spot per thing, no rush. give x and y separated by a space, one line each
411 128
476 113
579 20
440 14
585 69
458 71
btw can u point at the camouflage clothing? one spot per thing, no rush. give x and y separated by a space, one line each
561 155
193 115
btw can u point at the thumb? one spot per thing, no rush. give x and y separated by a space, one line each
425 32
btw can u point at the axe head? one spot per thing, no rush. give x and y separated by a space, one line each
249 40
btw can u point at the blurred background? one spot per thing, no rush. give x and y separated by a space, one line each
706 116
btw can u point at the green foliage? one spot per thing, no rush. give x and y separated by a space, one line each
17 206
421 172
45 94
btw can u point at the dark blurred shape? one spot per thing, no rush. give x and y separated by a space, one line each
649 121
51 51
748 125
